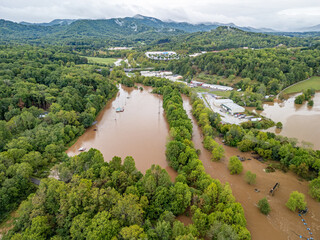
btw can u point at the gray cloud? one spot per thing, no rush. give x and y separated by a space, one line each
282 15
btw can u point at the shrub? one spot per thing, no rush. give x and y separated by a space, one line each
296 201
235 165
217 153
314 188
250 177
310 103
279 125
264 206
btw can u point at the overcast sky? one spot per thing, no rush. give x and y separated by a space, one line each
277 14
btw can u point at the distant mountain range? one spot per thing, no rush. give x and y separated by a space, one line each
60 22
155 23
315 28
134 31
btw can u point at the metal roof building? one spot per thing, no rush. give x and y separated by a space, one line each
232 108
219 102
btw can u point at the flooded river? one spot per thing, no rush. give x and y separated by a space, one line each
281 223
140 131
299 121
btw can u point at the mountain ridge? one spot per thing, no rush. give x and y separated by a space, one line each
157 23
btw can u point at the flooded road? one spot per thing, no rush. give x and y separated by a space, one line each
140 131
299 121
281 223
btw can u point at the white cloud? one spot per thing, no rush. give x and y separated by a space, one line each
256 13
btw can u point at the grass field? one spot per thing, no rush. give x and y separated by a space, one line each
219 93
106 61
313 82
215 79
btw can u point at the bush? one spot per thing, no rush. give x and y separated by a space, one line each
235 165
296 201
250 177
314 188
310 103
279 125
264 206
217 153
299 99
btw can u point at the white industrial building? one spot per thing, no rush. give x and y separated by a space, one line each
169 55
217 87
232 108
219 102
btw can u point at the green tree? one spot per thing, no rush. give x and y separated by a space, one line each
235 165
103 227
296 201
314 189
250 177
217 153
222 231
310 103
264 206
279 125
134 232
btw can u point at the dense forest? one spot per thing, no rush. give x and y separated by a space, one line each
88 34
47 99
226 38
146 33
274 68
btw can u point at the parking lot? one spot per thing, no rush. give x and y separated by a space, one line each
225 116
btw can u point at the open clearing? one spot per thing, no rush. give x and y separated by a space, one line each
106 61
313 82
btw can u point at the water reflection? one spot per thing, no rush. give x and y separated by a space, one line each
299 121
140 131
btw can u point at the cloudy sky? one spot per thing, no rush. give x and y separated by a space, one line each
277 14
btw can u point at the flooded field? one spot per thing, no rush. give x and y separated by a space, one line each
281 222
140 131
299 121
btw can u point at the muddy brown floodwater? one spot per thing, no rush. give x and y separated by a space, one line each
299 121
140 131
281 223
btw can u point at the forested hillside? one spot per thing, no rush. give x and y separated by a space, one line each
47 99
226 38
149 33
89 33
274 68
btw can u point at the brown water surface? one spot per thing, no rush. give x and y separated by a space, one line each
141 131
299 121
280 223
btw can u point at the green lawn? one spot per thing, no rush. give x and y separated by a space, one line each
225 94
313 82
106 61
215 79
